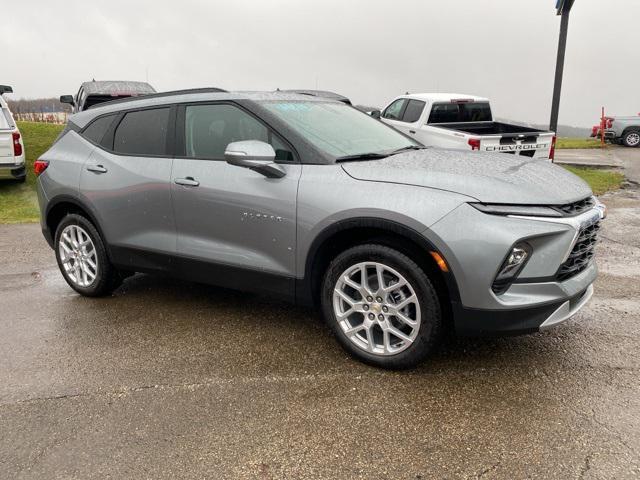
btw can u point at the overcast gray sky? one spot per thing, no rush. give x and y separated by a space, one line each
368 50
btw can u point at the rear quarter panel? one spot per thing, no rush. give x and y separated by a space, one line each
434 136
62 177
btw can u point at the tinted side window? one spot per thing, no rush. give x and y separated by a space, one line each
208 129
443 113
413 111
460 112
142 133
394 111
80 99
96 129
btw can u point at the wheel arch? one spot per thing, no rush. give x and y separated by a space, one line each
356 231
632 128
62 205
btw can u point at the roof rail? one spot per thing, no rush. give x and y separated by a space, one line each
159 95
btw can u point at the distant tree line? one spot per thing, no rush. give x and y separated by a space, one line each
38 105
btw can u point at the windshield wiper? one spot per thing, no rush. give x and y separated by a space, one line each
362 156
407 148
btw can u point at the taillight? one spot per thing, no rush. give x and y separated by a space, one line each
17 146
610 123
474 143
552 152
40 166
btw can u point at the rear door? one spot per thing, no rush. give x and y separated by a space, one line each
234 225
127 182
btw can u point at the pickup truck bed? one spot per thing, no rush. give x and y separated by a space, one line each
487 128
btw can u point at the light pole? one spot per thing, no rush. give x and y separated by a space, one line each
563 7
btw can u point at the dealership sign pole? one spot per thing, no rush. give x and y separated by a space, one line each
563 7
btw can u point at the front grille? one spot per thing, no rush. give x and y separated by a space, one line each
576 208
581 254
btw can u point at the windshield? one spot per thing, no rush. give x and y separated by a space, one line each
460 112
338 129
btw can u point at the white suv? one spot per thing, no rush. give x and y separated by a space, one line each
11 146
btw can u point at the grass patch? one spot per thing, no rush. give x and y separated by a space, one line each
18 201
600 181
577 143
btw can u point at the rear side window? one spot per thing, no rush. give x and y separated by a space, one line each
395 110
413 111
96 129
142 133
460 112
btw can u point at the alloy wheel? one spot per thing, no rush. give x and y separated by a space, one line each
78 256
633 139
377 308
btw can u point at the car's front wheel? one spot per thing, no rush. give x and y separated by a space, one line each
82 257
381 306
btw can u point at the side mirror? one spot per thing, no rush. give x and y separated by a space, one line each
254 155
375 114
67 99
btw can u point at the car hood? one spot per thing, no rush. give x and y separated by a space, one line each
487 177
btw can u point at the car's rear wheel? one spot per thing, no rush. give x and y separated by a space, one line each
83 259
381 306
631 138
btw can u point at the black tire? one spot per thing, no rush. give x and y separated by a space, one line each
430 328
631 138
107 278
21 179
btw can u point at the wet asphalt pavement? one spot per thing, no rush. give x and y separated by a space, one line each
167 379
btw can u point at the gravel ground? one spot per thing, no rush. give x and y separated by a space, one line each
167 379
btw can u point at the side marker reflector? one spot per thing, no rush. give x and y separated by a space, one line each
440 261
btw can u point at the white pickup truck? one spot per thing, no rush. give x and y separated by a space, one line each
11 146
463 122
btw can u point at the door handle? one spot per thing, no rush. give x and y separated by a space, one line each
97 169
187 182
412 131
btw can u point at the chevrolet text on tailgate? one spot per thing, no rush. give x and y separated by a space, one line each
309 199
463 122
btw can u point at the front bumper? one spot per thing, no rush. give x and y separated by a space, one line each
539 297
12 172
473 322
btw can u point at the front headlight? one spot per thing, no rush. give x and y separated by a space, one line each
522 210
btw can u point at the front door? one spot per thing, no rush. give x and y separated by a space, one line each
406 115
392 115
235 227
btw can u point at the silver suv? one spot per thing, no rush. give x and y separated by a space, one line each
311 200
